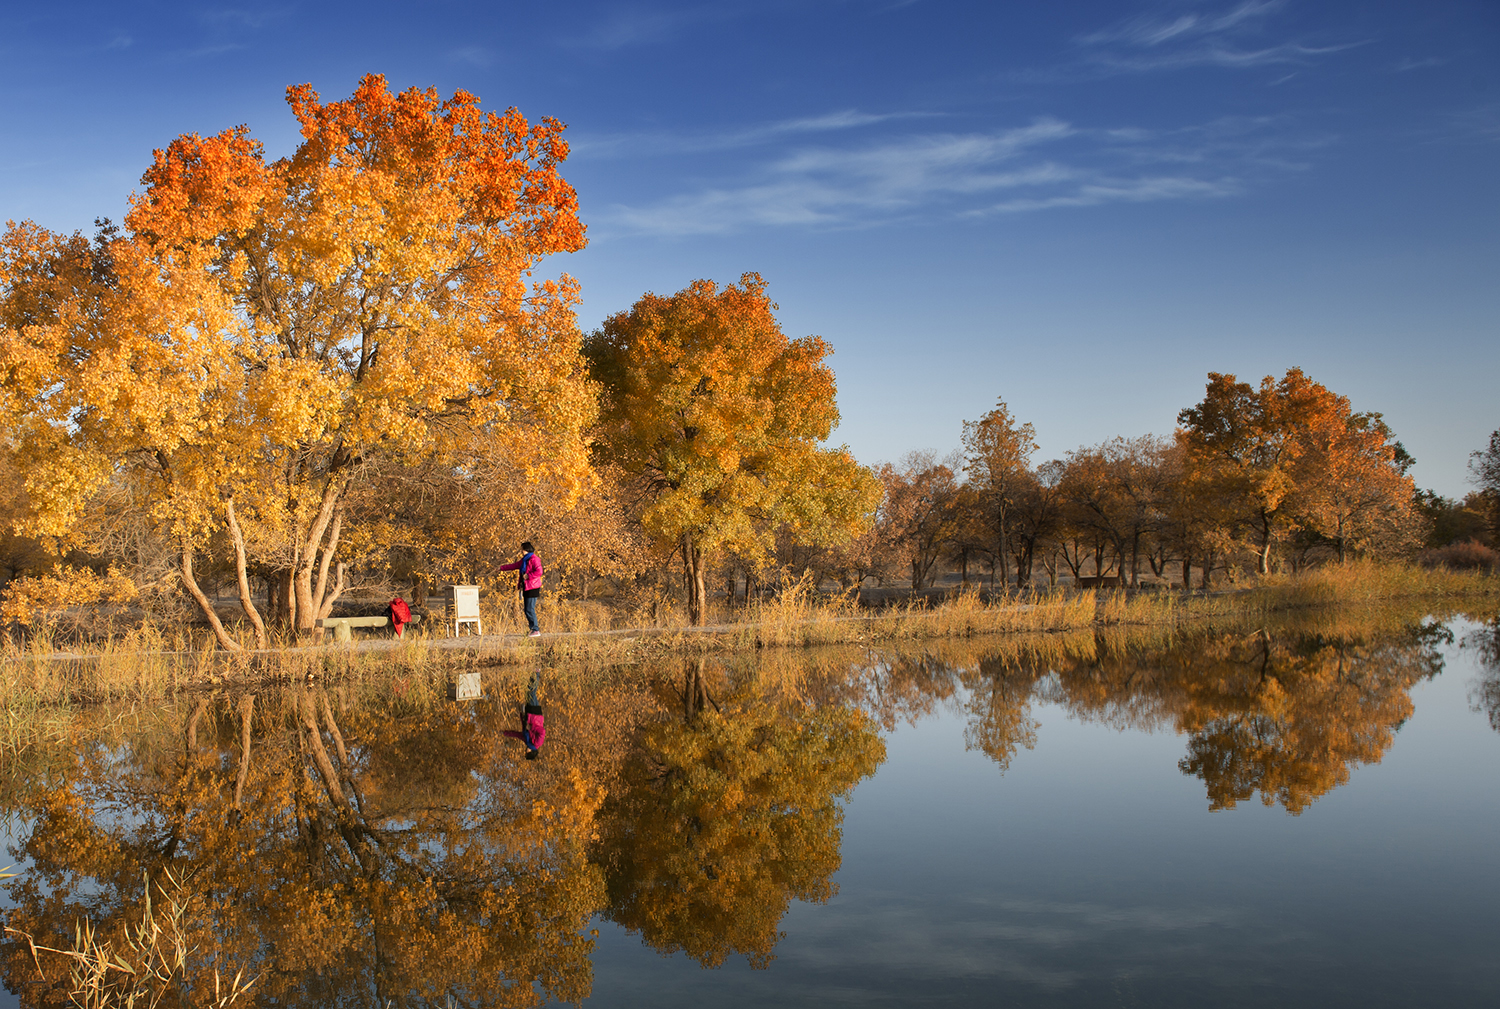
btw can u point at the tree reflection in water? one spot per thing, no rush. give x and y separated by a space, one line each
726 813
379 847
1486 693
1285 716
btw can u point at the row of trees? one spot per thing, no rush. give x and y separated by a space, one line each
1284 473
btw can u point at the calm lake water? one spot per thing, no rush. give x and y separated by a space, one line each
1301 817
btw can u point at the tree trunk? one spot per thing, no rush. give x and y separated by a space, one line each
247 601
1263 560
306 606
692 559
220 634
323 599
1004 560
324 765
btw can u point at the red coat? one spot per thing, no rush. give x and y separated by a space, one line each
400 614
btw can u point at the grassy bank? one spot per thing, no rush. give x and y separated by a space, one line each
37 683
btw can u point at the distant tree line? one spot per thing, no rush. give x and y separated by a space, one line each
1254 479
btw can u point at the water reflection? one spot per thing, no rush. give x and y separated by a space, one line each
1486 694
727 813
1282 716
384 846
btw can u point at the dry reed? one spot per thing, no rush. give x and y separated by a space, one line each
150 966
38 684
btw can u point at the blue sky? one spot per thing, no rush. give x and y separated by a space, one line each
1079 207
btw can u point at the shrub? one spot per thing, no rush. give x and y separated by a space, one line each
1470 556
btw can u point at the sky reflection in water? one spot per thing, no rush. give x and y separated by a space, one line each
1090 871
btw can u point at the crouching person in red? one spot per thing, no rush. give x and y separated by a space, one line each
400 615
533 725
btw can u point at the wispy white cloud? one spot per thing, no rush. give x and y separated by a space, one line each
1231 38
1217 55
643 24
1143 190
474 56
203 52
1149 31
640 25
1411 64
1044 165
664 143
242 17
1477 125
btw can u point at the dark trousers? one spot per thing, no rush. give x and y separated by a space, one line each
529 604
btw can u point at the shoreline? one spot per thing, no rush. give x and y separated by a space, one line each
32 679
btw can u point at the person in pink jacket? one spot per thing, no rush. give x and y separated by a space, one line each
530 578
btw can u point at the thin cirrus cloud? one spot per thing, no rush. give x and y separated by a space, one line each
1151 32
474 56
1048 164
1231 38
632 26
632 145
639 24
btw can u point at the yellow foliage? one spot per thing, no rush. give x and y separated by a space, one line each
30 599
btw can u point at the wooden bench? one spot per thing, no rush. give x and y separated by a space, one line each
342 627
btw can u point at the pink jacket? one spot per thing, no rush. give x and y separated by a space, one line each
535 733
531 578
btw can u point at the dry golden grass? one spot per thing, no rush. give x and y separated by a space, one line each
153 964
38 683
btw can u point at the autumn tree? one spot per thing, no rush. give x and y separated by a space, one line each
719 417
727 813
1355 493
1237 444
1484 470
1292 454
1290 719
997 459
918 515
266 330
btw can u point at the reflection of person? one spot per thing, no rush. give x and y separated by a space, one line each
533 725
530 579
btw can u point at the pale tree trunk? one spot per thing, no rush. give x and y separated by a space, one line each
692 559
307 605
1263 560
1003 561
220 634
247 602
322 598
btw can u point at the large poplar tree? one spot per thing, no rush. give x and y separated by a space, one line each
719 416
264 330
